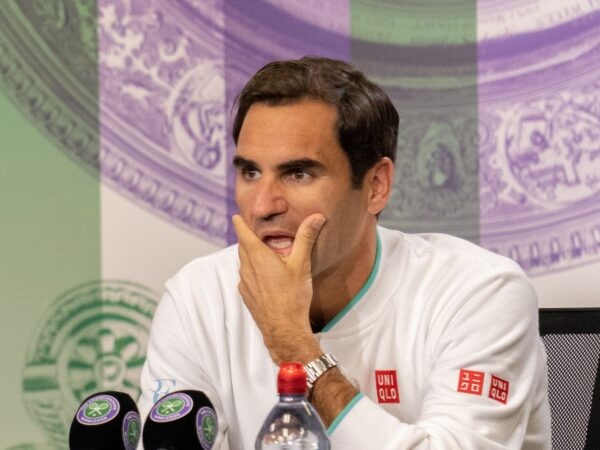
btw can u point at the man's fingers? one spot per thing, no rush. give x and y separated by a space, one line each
307 234
243 254
305 238
245 235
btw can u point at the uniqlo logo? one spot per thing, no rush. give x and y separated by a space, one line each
386 382
470 381
499 389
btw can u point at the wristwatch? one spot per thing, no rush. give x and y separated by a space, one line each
318 367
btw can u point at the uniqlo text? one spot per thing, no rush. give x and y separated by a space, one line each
499 389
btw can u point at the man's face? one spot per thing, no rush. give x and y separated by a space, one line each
290 165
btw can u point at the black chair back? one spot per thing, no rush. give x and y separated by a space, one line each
572 341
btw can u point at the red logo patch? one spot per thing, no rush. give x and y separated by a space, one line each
386 382
499 389
470 381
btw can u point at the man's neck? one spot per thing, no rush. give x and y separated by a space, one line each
333 291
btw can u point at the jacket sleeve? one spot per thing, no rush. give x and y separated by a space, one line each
169 366
487 378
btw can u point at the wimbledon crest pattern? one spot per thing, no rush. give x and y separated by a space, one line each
92 339
499 106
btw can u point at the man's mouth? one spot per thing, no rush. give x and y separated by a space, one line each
279 243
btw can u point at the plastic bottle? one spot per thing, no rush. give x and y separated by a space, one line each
293 423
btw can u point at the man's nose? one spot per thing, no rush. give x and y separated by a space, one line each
268 199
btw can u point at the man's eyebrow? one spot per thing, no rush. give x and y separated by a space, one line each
300 164
243 163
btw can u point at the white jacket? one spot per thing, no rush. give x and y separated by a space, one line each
442 341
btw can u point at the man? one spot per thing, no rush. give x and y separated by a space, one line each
436 338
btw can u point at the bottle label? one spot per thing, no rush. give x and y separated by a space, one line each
98 410
206 427
172 407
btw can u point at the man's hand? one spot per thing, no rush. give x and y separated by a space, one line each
278 290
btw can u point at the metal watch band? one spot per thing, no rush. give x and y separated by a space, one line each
318 367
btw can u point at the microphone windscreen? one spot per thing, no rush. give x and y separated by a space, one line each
106 421
182 420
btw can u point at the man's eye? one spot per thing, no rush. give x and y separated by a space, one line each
299 175
250 174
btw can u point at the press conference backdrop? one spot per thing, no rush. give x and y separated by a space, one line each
115 166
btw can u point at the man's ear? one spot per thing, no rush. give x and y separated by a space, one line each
381 179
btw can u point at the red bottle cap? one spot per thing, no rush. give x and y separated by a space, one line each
291 378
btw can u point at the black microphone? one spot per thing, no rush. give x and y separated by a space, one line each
182 420
106 421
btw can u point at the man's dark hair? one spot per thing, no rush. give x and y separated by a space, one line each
367 122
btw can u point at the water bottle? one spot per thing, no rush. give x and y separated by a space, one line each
293 424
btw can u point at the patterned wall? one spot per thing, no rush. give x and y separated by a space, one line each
115 157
